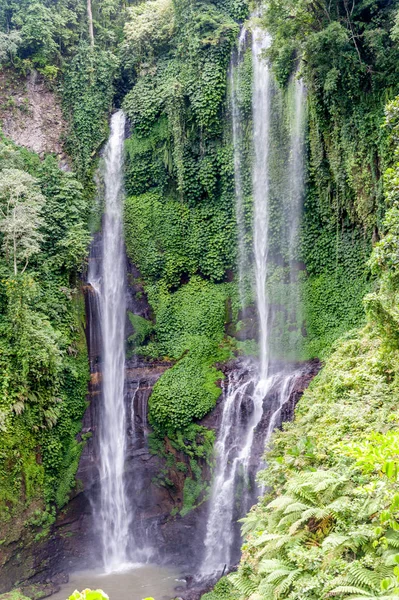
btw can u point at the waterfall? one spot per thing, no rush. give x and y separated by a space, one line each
233 449
260 174
253 398
109 285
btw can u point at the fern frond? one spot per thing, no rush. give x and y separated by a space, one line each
266 590
295 507
392 539
348 590
313 513
278 576
283 588
270 565
266 537
252 522
243 584
334 540
359 575
281 502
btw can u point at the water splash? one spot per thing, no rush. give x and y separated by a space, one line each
109 285
234 449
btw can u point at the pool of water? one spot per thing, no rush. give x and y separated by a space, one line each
133 583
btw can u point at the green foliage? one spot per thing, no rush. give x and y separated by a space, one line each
195 444
187 391
149 28
87 95
21 204
223 590
89 594
142 329
350 68
44 34
43 360
169 241
189 327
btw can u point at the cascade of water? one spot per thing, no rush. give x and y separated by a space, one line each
265 390
109 285
297 122
233 448
260 179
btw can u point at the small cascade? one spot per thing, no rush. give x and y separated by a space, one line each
108 283
220 534
239 450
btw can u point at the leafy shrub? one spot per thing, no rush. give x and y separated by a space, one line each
89 594
187 391
142 329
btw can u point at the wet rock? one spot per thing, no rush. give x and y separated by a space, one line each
60 578
246 408
40 590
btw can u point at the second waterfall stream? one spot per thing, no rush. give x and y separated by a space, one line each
254 395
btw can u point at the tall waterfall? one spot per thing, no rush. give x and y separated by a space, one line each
260 174
254 397
109 285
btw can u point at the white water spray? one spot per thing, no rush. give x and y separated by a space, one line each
110 288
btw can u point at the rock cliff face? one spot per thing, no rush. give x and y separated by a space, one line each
31 115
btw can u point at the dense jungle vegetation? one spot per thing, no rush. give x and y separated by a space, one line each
329 524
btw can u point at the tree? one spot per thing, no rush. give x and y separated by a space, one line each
21 204
9 44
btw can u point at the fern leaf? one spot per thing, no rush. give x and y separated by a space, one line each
349 589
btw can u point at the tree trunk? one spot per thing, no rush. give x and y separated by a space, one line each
90 21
